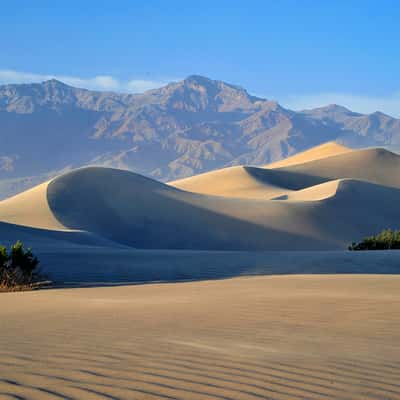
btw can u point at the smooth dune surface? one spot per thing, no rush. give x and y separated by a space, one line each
143 213
297 337
319 192
378 165
316 153
253 182
31 209
323 204
240 181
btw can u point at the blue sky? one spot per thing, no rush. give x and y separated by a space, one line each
302 53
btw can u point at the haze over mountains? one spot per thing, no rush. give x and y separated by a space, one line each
179 130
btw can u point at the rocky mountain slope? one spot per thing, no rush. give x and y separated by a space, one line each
172 132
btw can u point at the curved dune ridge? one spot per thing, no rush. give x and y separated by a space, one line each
322 204
239 181
30 208
317 192
375 165
316 153
252 182
378 166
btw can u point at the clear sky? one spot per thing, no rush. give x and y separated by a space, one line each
302 53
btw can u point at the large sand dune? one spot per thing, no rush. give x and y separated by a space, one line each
240 181
316 153
319 205
30 209
374 165
252 182
136 211
283 338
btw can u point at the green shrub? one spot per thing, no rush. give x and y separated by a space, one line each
17 267
388 239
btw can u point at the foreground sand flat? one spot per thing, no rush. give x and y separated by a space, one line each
277 337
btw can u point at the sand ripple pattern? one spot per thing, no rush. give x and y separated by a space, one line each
299 337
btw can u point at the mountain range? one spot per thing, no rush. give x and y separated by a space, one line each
176 131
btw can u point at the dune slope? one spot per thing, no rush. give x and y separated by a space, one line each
324 150
140 212
253 182
30 208
323 204
240 181
374 165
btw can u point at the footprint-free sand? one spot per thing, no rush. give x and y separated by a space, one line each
277 337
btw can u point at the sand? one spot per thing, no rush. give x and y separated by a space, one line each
30 208
316 153
287 337
322 204
262 337
238 182
253 182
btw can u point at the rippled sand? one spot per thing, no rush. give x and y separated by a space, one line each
287 337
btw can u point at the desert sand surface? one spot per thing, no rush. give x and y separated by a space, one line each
374 165
97 224
253 182
281 337
323 211
316 153
240 181
30 208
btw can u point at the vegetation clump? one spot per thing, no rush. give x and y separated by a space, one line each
18 268
388 239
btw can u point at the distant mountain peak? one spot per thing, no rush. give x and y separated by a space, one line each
54 81
198 79
336 107
380 114
54 84
208 82
180 129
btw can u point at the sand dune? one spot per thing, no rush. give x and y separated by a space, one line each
282 337
319 192
316 153
309 206
31 209
143 213
252 182
136 211
241 182
289 338
373 165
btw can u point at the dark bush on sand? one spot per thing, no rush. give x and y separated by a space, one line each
386 240
18 267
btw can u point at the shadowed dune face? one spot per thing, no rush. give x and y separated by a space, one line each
253 182
140 212
247 182
238 182
262 182
374 165
137 211
320 205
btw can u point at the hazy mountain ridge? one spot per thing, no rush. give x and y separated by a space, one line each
168 133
